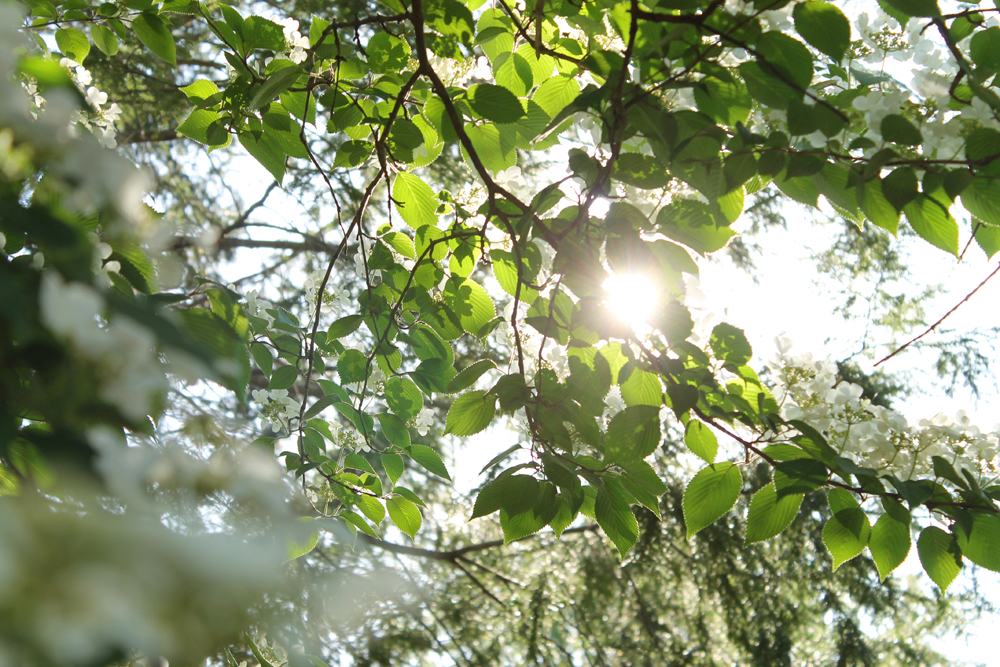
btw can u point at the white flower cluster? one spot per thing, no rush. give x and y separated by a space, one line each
294 41
277 407
334 299
131 376
256 307
873 436
100 121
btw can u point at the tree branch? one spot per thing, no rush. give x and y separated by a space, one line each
942 319
455 554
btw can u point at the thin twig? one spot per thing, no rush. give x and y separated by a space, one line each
943 318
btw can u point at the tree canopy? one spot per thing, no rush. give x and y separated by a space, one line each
228 437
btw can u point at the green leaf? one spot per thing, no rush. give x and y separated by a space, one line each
321 404
555 94
515 494
154 33
940 555
352 367
404 514
983 146
982 544
344 327
770 514
927 8
642 171
263 357
470 302
283 377
137 268
393 464
933 223
900 187
642 388
200 91
614 516
401 243
633 434
270 159
298 548
352 153
877 208
840 499
691 223
766 88
518 526
452 19
889 544
206 127
274 85
257 654
73 44
403 397
495 103
387 53
258 33
371 508
982 199
787 57
899 130
642 475
985 48
701 440
429 460
711 494
824 26
846 534
496 152
394 429
988 239
415 201
799 476
470 413
727 102
468 377
729 344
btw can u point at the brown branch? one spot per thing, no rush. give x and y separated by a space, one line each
311 243
480 585
942 319
456 554
242 220
144 137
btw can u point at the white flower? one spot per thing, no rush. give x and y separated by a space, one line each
96 97
70 310
422 422
511 179
613 402
112 113
105 135
294 41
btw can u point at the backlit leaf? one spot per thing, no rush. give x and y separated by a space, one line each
769 514
710 494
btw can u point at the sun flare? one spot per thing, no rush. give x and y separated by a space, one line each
632 297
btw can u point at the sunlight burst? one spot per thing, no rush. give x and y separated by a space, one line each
632 297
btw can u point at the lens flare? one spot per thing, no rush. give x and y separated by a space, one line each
632 297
